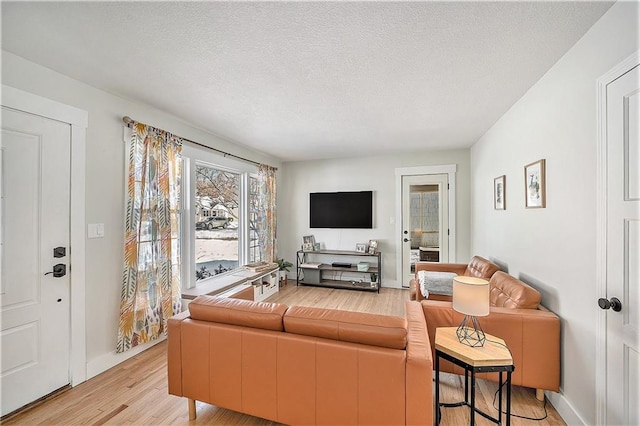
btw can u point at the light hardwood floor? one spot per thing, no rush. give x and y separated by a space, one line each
135 392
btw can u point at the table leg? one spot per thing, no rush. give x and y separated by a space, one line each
466 385
473 398
508 398
500 398
437 388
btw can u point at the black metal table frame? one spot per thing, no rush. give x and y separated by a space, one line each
469 368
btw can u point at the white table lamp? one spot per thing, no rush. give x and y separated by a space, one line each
471 298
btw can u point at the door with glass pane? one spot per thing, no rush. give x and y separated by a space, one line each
217 214
425 222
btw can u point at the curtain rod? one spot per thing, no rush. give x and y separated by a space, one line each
128 121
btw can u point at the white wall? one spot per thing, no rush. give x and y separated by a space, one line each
105 187
298 179
554 248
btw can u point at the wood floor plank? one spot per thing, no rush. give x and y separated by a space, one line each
135 392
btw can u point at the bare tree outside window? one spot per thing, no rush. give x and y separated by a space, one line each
254 248
217 207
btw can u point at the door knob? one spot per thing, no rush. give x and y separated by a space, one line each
614 304
59 270
405 240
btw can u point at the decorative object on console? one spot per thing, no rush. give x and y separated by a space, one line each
283 268
363 266
307 247
309 239
499 193
535 185
373 246
361 247
471 298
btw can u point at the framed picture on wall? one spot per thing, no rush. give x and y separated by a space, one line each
535 185
499 201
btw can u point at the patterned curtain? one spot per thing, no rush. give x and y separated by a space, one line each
267 212
151 276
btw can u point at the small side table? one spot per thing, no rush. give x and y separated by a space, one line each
492 357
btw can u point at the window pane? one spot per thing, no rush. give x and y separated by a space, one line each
254 248
217 197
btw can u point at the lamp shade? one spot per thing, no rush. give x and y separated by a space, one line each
471 296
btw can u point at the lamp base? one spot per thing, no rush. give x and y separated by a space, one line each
470 333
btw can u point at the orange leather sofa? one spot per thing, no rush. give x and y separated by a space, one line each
298 365
479 267
531 332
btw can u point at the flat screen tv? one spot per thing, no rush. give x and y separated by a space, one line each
344 210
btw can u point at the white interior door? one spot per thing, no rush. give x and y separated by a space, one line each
34 219
623 250
425 221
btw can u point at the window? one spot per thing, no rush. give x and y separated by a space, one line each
254 248
217 201
218 222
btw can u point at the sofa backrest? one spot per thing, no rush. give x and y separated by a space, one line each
480 267
356 327
509 292
267 316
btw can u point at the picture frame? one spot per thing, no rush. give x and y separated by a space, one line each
307 247
535 185
373 246
499 193
361 247
309 239
316 247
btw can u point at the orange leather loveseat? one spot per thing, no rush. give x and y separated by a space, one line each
531 332
298 365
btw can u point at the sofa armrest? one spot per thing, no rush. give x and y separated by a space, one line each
419 371
174 353
532 335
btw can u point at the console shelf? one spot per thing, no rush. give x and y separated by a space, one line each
311 272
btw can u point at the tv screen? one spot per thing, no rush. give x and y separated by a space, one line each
346 210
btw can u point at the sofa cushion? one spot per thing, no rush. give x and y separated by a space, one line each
357 327
267 316
509 292
480 267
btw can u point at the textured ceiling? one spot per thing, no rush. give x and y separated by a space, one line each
308 80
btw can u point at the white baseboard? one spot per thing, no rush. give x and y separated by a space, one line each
564 408
111 359
391 284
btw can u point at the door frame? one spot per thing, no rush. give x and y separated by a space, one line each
448 169
601 229
78 120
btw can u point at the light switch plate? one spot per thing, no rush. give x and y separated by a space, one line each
95 230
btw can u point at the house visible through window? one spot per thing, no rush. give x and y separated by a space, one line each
217 203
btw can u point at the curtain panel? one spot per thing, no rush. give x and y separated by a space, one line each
267 212
151 273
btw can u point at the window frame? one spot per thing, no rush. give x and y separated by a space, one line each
193 156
